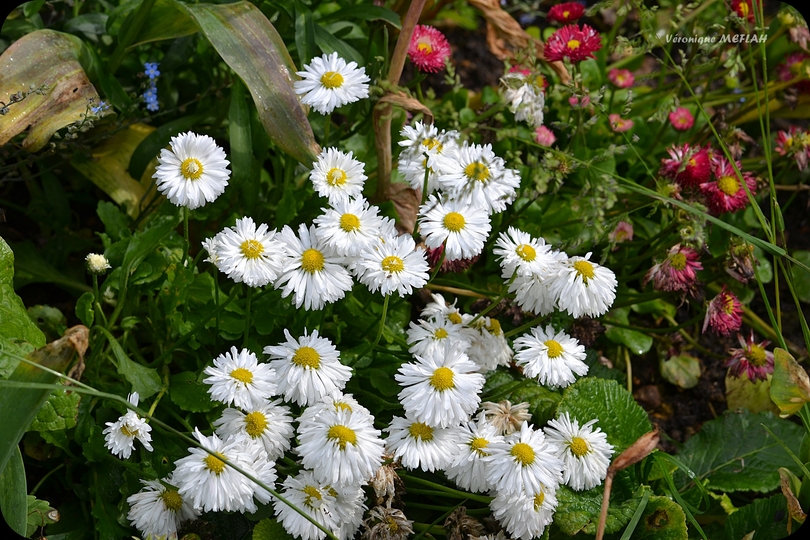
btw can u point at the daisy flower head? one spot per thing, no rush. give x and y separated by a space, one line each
337 175
307 368
312 272
526 98
727 193
194 172
489 348
418 445
795 143
340 447
349 507
420 140
525 515
334 402
440 389
468 469
584 451
461 228
554 358
395 264
573 42
427 336
211 246
544 136
795 64
439 309
677 272
751 358
681 119
688 165
349 226
237 378
619 124
429 49
724 313
329 82
584 287
523 462
505 417
519 252
158 511
567 12
119 436
621 78
249 254
97 263
533 291
623 232
268 424
314 498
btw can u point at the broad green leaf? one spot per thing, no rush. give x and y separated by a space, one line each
114 220
13 493
612 406
734 453
742 393
31 267
190 394
166 20
288 206
249 44
790 385
663 519
682 370
40 514
49 60
329 44
766 518
145 242
304 33
84 309
30 8
48 319
801 277
270 529
637 342
245 176
147 148
365 13
144 380
100 76
542 401
58 413
578 511
383 382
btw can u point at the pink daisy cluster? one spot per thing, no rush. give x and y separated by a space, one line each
751 358
794 143
726 192
428 49
688 165
681 119
724 314
677 272
567 12
573 42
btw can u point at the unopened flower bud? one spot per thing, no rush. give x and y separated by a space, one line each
97 264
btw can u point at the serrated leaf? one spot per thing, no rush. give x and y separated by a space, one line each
58 413
13 492
40 514
663 519
270 529
682 370
790 385
190 394
767 518
578 511
734 453
617 413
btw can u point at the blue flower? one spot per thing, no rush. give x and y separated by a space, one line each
151 98
102 106
150 69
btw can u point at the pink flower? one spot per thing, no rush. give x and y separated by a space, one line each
574 101
681 119
544 136
796 143
619 124
428 49
689 166
573 43
678 272
622 233
724 313
752 359
521 70
622 78
434 256
566 12
726 193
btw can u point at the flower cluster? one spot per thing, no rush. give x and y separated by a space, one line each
525 93
151 71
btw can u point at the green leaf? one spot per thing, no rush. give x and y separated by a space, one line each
145 242
790 385
682 370
616 412
542 401
31 267
734 453
113 219
742 393
270 529
166 20
245 177
48 319
637 342
768 517
329 44
84 309
252 47
288 206
578 511
383 382
58 413
663 519
144 380
304 33
801 277
40 514
190 394
13 492
365 13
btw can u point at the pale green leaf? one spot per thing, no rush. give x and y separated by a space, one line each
58 413
801 277
663 519
13 492
682 370
790 385
144 380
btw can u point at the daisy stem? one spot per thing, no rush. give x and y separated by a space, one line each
450 491
425 184
382 321
438 264
522 328
326 130
186 243
97 301
248 297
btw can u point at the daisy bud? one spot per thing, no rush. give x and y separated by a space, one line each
96 263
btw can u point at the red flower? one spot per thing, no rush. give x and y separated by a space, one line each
569 41
724 314
726 193
743 8
428 49
678 272
681 119
567 12
752 359
622 78
688 166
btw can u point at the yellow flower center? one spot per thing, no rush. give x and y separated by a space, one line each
584 270
215 463
494 327
432 143
191 169
343 406
478 444
788 143
418 430
312 261
392 263
579 446
743 10
311 493
392 524
332 80
728 185
349 222
526 252
678 261
440 333
566 13
728 304
442 379
252 249
342 435
335 177
454 318
454 222
555 350
424 47
307 357
477 171
523 453
255 423
171 500
539 81
573 44
538 500
128 432
242 375
756 355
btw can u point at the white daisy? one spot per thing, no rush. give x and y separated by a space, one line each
337 176
584 451
468 469
194 172
311 270
119 436
307 369
525 98
211 246
237 378
329 82
523 515
425 337
438 308
518 251
461 228
249 254
475 175
349 506
416 444
395 264
440 389
268 425
533 292
584 288
524 461
334 402
340 447
489 348
423 142
554 358
311 496
349 226
158 511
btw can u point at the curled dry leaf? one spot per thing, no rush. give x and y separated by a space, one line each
636 452
790 485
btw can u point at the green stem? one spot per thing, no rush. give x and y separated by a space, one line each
186 243
326 129
524 327
440 487
382 321
248 297
495 302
